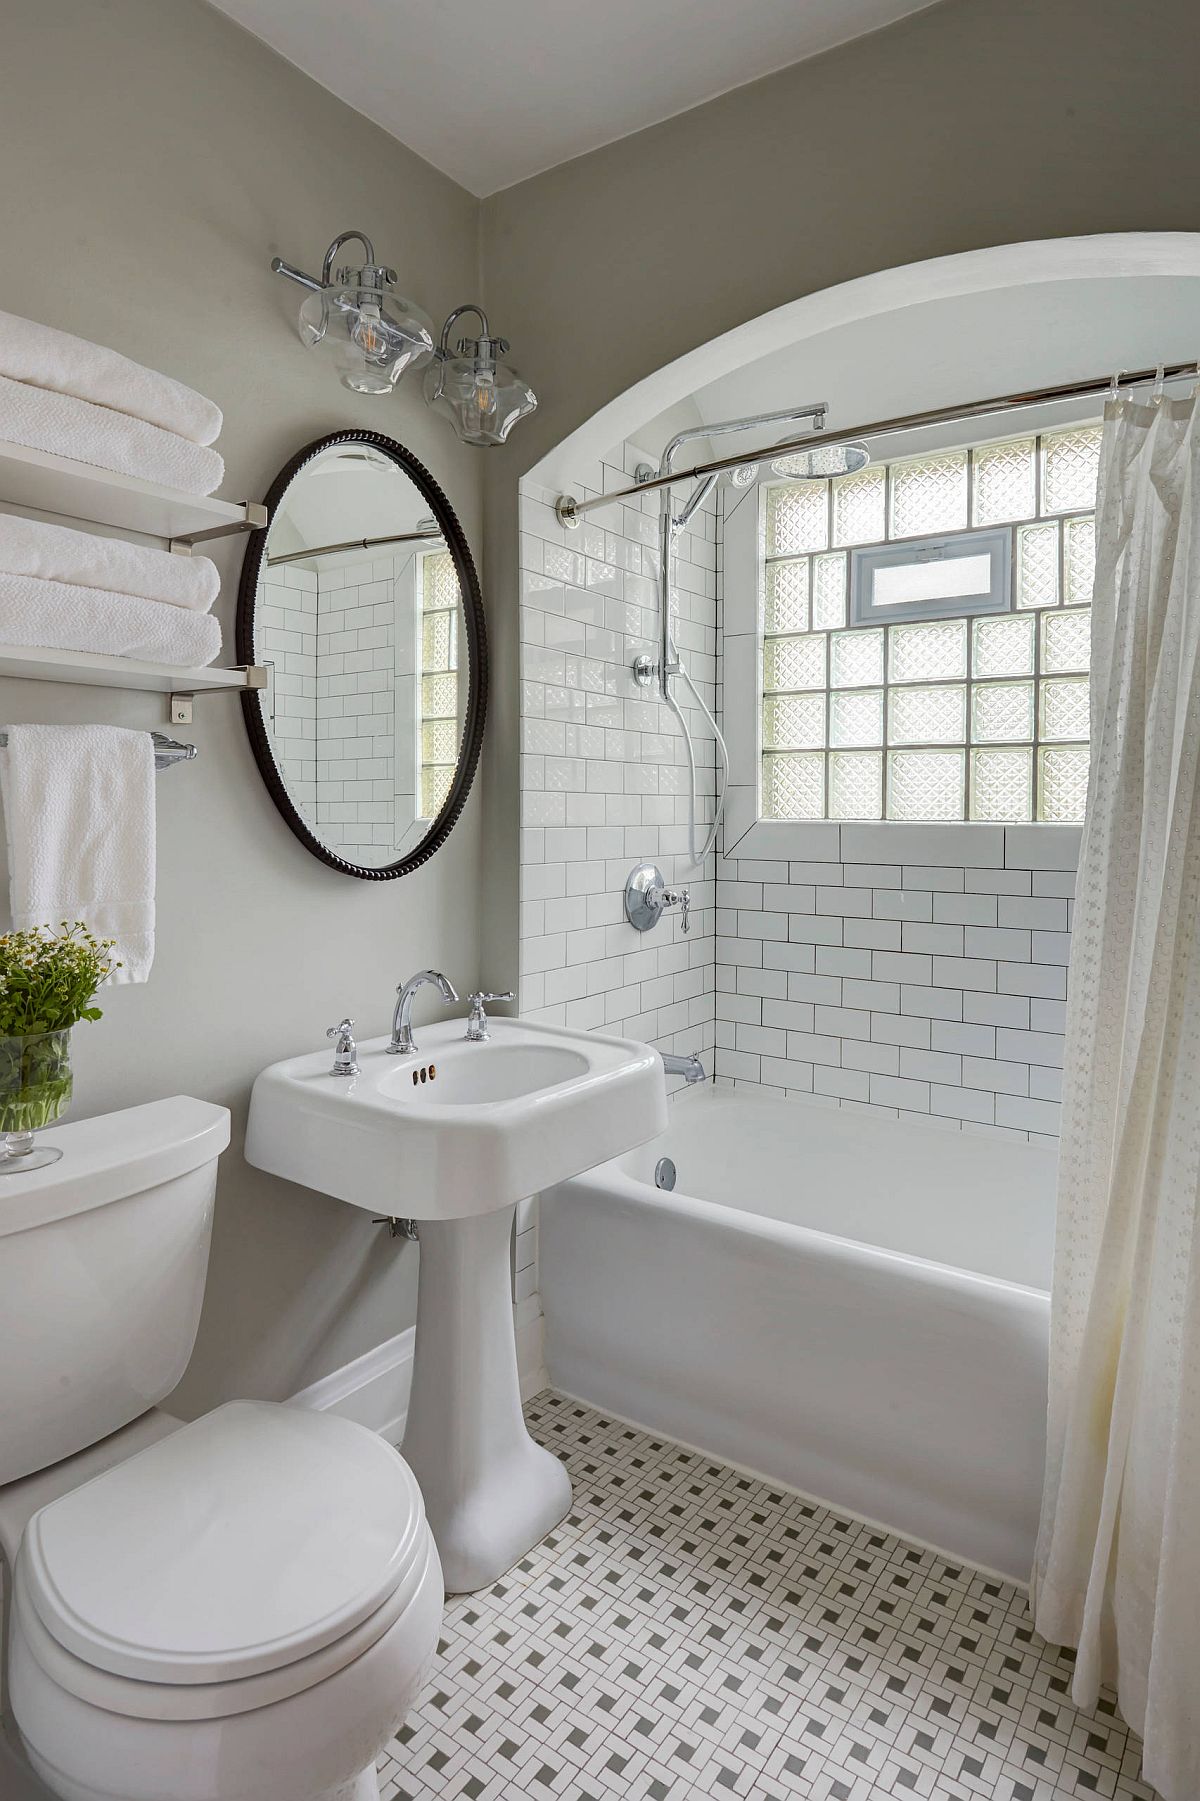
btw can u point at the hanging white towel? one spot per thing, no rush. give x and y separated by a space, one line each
56 553
47 358
64 616
68 427
79 818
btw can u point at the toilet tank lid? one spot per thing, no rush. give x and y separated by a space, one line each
242 1543
113 1155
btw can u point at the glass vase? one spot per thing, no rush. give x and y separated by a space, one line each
35 1090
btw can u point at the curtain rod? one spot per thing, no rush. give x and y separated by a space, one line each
570 510
324 550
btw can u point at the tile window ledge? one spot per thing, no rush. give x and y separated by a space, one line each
958 845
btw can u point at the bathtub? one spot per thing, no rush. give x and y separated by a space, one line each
853 1307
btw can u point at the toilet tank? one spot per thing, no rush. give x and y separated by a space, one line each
103 1257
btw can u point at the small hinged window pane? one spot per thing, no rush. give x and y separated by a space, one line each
931 578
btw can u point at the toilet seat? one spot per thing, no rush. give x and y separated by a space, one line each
242 1560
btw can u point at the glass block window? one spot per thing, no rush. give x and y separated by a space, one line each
439 679
981 715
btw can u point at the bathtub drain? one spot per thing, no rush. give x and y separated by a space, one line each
664 1174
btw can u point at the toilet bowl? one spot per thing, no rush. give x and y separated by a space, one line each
245 1607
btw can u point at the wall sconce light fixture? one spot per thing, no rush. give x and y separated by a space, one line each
377 336
482 396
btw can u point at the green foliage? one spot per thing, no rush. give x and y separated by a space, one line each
35 1080
48 978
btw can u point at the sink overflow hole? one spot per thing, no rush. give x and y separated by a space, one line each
428 1074
664 1174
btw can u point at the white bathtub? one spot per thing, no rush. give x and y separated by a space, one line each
854 1307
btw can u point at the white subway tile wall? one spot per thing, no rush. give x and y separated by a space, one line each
344 644
604 776
288 624
864 977
604 781
357 806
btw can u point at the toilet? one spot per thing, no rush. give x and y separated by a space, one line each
242 1608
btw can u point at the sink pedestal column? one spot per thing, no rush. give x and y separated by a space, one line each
490 1492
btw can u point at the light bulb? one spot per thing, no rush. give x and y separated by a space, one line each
369 332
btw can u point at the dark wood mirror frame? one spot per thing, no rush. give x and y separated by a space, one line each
253 701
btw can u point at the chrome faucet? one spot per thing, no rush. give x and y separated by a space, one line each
690 1068
402 1044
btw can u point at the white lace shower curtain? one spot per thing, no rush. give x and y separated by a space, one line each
1117 1569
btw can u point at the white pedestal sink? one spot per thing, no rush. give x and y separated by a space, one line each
454 1137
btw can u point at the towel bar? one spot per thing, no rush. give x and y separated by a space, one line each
167 751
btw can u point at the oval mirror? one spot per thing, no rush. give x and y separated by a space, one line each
361 599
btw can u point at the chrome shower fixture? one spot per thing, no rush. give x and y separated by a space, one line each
826 460
377 336
482 396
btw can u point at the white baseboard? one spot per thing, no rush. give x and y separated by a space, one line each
373 1389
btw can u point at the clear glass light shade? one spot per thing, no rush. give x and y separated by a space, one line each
375 340
482 397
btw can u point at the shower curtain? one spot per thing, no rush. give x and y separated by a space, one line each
1117 1568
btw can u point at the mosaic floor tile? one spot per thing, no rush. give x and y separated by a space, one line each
689 1630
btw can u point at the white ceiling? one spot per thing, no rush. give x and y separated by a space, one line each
492 94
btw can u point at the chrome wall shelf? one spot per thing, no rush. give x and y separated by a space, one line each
35 481
95 671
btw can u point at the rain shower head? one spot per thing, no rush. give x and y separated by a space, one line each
822 461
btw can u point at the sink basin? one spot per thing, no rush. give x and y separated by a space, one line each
458 1129
454 1136
505 1072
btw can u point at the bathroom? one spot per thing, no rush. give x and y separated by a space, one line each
985 200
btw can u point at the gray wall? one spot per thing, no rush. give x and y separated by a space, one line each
154 158
977 122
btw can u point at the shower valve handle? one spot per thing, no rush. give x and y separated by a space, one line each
647 898
681 898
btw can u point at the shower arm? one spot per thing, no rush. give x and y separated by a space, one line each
570 511
671 522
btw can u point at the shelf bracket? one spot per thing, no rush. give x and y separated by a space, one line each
254 521
181 701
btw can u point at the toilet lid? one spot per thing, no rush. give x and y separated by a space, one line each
243 1542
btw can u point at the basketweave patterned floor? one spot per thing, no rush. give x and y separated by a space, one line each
689 1630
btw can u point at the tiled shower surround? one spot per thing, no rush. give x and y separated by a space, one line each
865 973
604 776
916 969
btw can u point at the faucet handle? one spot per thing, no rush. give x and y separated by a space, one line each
345 1051
477 1024
685 909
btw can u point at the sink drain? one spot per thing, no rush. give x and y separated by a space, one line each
664 1174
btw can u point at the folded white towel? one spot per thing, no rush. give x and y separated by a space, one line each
64 616
55 553
79 817
47 358
68 427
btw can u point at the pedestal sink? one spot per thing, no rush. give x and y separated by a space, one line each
454 1137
